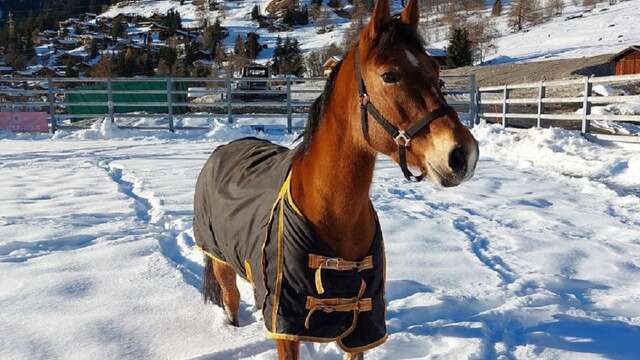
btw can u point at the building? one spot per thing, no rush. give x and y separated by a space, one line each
328 65
439 55
627 61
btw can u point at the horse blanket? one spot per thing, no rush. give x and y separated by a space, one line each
244 216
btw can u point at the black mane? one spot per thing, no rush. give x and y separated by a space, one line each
395 34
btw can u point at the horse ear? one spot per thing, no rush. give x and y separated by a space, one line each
379 20
411 14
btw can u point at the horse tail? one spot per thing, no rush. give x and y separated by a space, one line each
211 290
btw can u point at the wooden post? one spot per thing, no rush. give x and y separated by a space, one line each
586 106
170 103
505 97
229 96
473 111
52 106
110 99
289 110
541 94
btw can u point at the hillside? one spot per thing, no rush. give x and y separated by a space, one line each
603 30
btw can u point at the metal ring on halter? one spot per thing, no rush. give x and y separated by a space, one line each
402 139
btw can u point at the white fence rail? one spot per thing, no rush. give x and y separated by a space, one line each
176 98
536 107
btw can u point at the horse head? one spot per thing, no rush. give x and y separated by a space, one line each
399 86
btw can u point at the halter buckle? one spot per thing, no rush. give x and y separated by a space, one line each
402 139
364 100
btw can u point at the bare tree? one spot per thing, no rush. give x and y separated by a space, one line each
554 8
523 13
589 3
482 34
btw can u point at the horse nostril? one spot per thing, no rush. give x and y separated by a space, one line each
458 160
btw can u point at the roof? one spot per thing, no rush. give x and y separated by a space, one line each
437 52
625 52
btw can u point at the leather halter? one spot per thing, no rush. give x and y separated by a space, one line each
401 137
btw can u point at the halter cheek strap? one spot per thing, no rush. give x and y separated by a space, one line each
401 137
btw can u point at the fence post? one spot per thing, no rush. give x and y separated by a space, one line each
473 111
289 110
541 94
586 106
505 97
52 106
229 95
110 99
170 103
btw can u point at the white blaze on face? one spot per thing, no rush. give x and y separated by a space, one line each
412 58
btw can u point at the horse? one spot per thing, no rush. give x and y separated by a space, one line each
298 224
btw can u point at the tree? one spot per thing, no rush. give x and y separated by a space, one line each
524 12
255 12
104 68
287 57
554 8
117 29
238 47
459 51
589 3
497 8
482 34
213 36
173 22
253 47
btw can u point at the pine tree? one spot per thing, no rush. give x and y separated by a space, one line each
255 12
459 52
252 47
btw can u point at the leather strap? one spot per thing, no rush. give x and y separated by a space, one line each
339 264
402 138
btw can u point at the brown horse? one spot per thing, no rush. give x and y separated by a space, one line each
385 98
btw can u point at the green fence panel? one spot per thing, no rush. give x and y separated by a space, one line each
121 98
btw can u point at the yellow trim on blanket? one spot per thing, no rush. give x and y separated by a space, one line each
247 270
211 255
358 349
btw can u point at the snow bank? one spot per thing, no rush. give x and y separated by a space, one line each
561 151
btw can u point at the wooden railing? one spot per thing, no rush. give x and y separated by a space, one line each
536 107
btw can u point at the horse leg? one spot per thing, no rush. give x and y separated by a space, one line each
354 356
226 277
288 350
219 287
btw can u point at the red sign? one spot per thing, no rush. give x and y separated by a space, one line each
24 121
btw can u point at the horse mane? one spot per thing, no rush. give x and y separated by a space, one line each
397 32
316 111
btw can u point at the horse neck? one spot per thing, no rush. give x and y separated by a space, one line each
331 179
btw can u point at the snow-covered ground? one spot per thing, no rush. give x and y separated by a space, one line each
538 256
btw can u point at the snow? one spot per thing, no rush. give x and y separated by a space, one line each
538 256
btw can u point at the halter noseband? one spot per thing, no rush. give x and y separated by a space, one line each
401 137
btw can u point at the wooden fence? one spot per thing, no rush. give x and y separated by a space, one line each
535 102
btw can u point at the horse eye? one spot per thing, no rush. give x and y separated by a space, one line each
390 77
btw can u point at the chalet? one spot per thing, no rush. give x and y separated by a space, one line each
202 55
627 61
439 55
67 44
328 65
39 71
